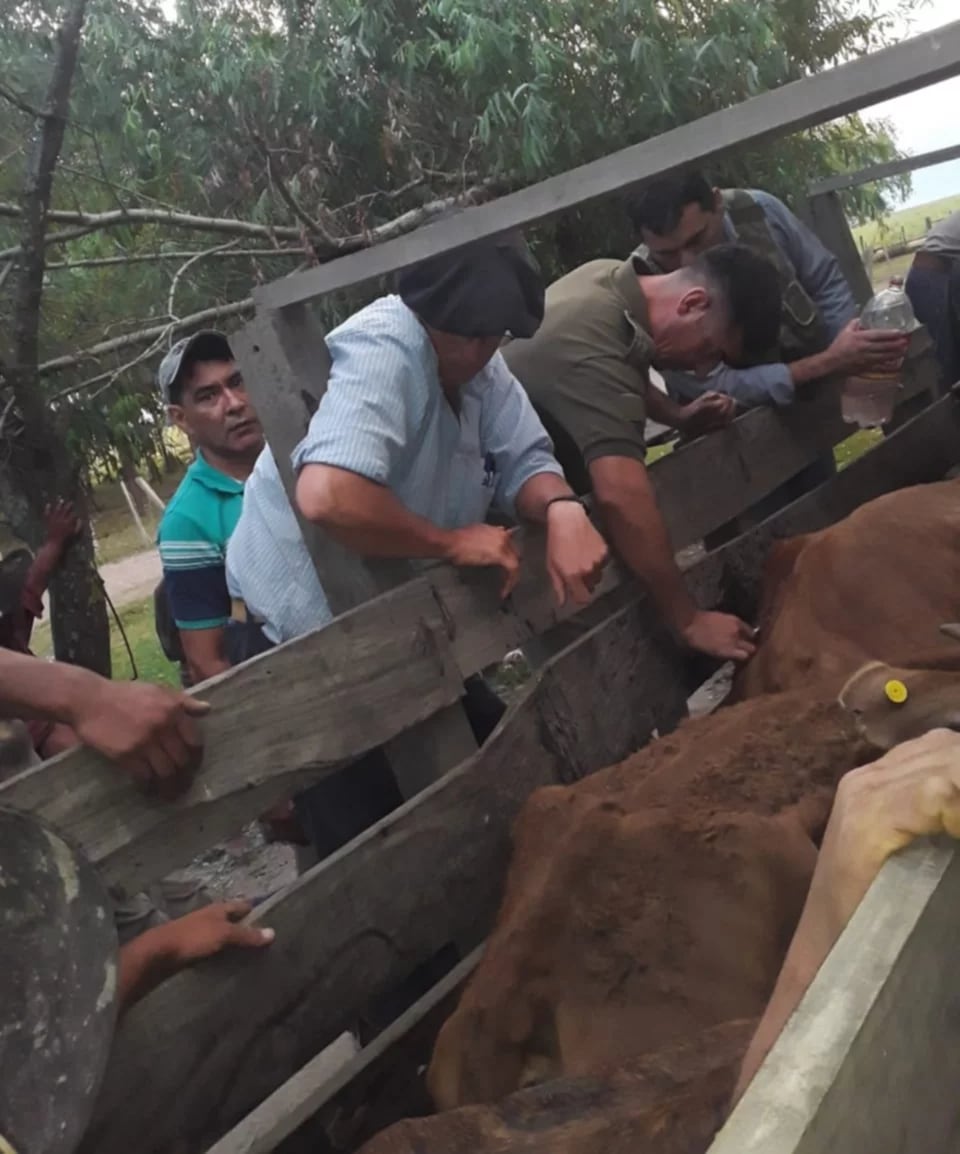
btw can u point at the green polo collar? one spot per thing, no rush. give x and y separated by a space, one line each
205 474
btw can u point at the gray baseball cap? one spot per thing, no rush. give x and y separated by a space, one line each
205 345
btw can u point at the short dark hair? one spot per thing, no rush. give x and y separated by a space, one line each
749 286
658 206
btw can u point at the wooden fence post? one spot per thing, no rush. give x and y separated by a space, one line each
286 363
829 222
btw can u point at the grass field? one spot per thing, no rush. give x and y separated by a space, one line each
137 620
117 535
911 221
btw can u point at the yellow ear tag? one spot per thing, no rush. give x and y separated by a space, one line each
896 692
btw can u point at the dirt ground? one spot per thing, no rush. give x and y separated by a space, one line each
132 578
246 866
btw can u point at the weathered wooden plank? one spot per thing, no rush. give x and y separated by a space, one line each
707 483
324 698
312 1087
423 754
883 171
830 224
359 922
920 451
314 703
880 76
870 1058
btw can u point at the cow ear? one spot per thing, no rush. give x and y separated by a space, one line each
865 687
951 629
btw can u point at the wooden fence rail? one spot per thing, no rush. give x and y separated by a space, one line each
868 1060
197 1055
844 180
431 872
307 707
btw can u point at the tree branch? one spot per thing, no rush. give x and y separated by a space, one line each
407 222
188 264
112 375
117 218
338 246
14 98
185 254
314 227
49 239
130 340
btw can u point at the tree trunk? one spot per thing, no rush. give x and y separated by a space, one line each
38 468
78 609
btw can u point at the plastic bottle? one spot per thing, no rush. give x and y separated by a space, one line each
868 399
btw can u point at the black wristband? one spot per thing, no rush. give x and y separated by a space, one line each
563 497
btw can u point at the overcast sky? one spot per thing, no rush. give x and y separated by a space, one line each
928 119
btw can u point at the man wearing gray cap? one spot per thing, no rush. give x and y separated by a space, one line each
206 398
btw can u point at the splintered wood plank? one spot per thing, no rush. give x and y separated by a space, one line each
310 705
871 1057
359 922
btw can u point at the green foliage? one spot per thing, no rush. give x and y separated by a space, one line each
370 108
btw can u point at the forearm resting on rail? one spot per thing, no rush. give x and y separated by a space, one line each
367 517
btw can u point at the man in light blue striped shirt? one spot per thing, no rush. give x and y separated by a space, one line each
422 430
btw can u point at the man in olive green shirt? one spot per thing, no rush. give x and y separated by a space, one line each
587 373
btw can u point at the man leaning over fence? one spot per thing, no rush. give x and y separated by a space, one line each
680 217
422 430
587 372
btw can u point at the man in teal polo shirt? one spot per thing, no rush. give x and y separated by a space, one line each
206 398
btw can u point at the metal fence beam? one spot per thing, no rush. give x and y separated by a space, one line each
844 180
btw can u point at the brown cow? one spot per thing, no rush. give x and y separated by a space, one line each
873 587
650 906
672 1102
656 898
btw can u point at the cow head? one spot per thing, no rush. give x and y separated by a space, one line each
892 705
